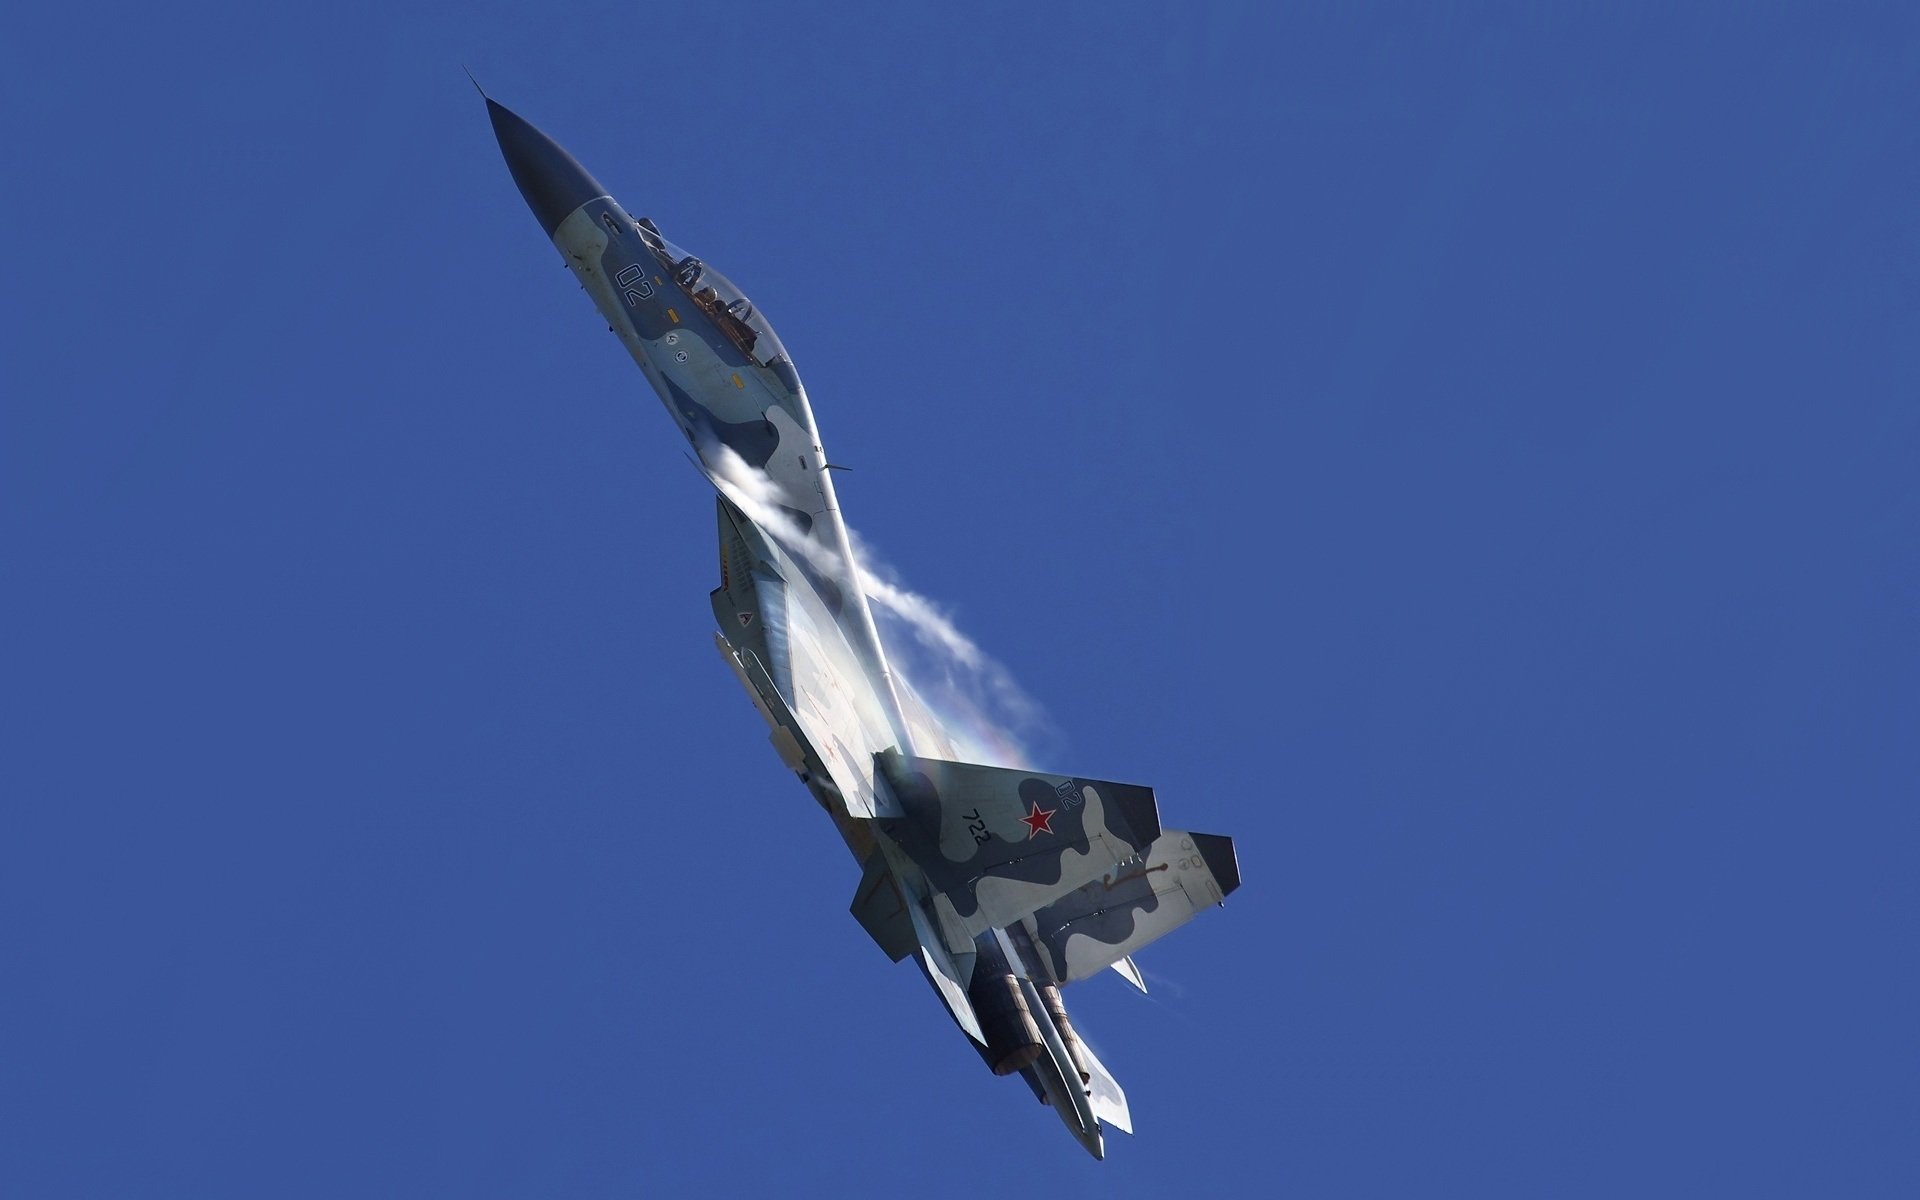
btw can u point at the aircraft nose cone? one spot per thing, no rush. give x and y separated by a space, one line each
552 182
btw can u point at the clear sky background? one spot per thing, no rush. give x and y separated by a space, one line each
1468 456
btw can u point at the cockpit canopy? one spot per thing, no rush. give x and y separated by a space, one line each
729 308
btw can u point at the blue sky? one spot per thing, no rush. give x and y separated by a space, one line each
1468 456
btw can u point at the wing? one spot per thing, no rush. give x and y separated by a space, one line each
1142 900
777 616
999 842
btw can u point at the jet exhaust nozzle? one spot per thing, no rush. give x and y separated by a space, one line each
1013 1036
1057 1010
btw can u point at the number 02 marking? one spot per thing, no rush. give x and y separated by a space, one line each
634 284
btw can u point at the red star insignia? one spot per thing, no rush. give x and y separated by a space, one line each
1039 821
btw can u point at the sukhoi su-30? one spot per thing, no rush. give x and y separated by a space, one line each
1005 885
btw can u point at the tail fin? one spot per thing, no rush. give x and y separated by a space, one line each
1001 843
1143 899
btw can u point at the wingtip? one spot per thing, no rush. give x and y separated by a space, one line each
1220 858
1138 810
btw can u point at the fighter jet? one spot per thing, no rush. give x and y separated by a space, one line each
1003 884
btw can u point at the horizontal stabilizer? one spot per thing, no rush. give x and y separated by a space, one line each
1139 901
1001 842
1104 1092
949 974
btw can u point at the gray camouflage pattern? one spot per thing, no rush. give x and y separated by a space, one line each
999 841
1051 878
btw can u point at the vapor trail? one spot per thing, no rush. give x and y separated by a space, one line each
979 703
